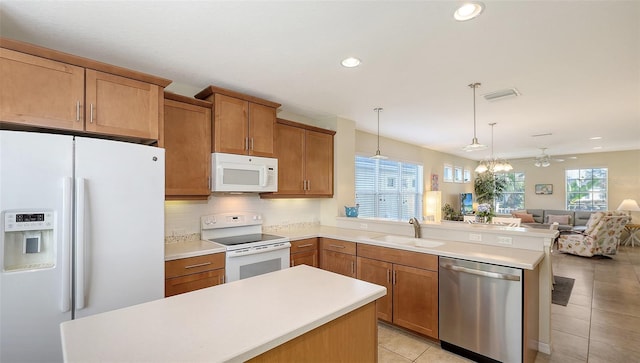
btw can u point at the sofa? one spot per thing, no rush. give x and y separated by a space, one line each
568 220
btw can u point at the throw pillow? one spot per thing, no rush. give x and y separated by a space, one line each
524 217
561 219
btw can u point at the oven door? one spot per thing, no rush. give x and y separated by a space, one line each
253 261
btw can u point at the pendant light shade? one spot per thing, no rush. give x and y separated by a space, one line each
493 164
475 145
378 155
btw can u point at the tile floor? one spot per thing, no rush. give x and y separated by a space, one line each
601 323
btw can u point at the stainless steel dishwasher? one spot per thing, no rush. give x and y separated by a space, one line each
480 310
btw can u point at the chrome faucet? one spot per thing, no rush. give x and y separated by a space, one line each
416 227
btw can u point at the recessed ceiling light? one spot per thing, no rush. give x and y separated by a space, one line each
468 11
597 147
573 157
350 62
595 138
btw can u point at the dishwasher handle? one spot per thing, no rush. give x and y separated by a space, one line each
493 275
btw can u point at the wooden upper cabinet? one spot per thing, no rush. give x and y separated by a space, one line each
46 88
230 125
121 106
318 153
305 160
262 123
291 157
242 124
187 143
40 92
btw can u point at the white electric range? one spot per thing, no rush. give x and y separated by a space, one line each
249 251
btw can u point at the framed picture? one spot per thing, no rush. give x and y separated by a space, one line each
434 182
544 188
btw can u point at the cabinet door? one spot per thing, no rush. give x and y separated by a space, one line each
187 137
415 299
122 106
40 92
289 151
262 122
230 125
309 258
182 284
337 262
378 272
319 163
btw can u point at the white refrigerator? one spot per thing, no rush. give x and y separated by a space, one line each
82 232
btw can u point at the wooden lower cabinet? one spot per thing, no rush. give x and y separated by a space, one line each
304 252
338 256
193 273
412 291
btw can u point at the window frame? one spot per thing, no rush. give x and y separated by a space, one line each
373 195
604 182
512 183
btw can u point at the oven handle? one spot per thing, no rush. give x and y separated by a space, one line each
254 250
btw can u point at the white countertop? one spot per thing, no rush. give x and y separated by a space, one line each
232 322
506 256
512 257
176 250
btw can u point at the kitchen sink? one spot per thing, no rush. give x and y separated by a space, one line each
408 241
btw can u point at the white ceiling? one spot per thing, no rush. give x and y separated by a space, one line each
577 64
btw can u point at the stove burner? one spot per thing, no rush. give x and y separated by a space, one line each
245 238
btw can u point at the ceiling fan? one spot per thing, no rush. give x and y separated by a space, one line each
543 160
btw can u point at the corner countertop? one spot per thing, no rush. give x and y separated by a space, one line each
512 257
184 249
232 322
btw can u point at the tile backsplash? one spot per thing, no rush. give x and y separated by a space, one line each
182 218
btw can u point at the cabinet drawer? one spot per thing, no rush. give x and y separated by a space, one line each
401 257
192 265
179 285
338 246
304 245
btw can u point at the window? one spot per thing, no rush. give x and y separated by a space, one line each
513 196
448 173
388 189
467 175
587 189
457 174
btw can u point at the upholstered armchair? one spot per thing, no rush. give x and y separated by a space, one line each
601 236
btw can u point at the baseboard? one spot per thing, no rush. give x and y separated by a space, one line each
544 348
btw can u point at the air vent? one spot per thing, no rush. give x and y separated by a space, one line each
540 135
498 95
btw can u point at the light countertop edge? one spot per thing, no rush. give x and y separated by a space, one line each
512 257
228 323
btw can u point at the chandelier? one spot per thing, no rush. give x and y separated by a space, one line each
542 160
493 164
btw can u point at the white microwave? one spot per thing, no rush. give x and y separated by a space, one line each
243 173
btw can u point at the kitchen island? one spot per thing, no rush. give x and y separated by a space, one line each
271 317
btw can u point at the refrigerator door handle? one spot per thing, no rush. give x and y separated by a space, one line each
67 200
80 196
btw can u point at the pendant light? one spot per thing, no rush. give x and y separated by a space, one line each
378 155
475 145
493 164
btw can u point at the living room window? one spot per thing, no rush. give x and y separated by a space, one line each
388 188
513 196
587 189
